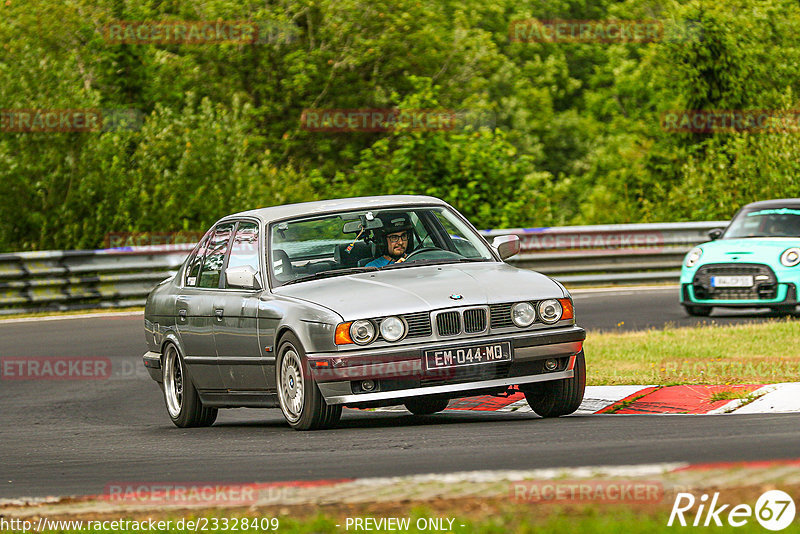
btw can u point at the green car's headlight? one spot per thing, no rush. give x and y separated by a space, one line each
694 256
790 257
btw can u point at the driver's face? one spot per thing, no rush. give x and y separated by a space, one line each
397 243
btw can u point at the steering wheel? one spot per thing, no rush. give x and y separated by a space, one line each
446 254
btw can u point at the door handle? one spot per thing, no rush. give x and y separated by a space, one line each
219 312
182 314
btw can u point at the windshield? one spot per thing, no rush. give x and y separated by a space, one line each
357 241
775 222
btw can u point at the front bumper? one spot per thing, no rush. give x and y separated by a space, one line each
772 286
398 372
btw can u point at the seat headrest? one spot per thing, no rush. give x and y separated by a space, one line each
282 265
359 251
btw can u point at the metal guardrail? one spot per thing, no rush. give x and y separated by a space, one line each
609 254
122 277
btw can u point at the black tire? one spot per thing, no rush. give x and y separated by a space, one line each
698 311
302 404
784 310
558 397
425 406
180 396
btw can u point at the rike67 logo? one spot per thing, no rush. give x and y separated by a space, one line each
774 510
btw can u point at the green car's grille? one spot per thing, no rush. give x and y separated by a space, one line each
765 285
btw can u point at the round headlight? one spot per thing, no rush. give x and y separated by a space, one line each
550 311
362 332
393 328
693 256
790 257
523 314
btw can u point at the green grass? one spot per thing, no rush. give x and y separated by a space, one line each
710 354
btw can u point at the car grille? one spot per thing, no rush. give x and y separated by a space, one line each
765 285
419 324
501 315
474 320
453 322
448 323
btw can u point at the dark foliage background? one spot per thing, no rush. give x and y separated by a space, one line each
573 136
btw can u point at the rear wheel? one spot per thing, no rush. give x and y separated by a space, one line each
698 311
301 402
426 406
181 397
558 397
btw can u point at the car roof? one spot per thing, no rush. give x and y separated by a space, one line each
776 203
320 207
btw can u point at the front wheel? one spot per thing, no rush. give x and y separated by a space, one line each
301 402
426 406
784 310
558 397
183 402
698 311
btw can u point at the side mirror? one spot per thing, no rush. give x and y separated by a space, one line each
506 245
243 276
716 233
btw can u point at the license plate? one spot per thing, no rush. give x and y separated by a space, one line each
468 355
731 281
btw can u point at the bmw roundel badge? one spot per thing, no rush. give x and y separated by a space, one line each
456 296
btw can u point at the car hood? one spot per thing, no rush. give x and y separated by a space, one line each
748 250
430 287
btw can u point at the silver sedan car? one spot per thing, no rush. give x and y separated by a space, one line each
358 302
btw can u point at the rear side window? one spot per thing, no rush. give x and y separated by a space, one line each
215 256
195 261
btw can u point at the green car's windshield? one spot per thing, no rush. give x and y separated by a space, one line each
344 243
773 222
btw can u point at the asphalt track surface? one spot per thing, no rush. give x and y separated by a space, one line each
76 437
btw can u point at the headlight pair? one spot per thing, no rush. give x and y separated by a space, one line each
363 331
549 311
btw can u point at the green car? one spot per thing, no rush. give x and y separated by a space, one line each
753 263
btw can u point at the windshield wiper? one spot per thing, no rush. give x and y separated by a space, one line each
329 274
431 261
